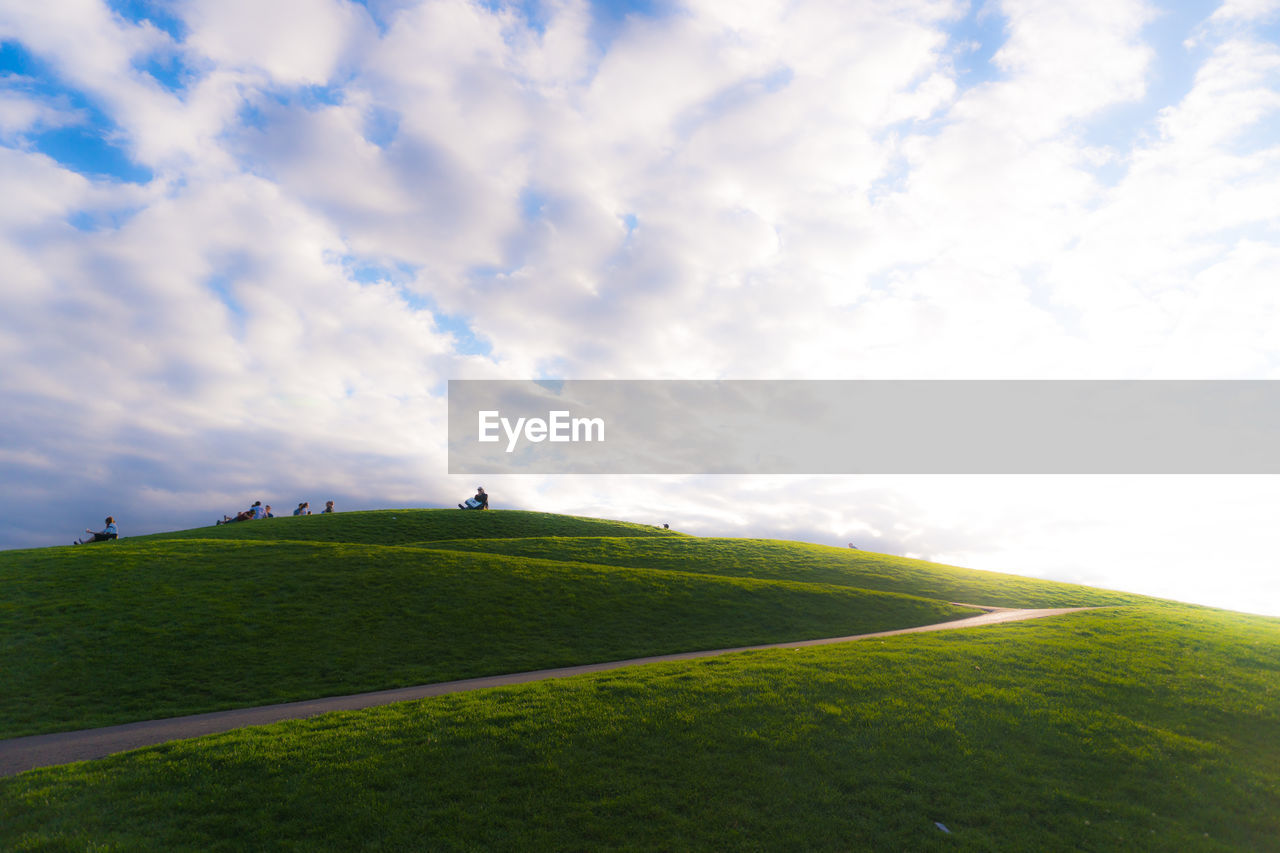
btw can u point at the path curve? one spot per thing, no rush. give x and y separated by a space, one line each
27 753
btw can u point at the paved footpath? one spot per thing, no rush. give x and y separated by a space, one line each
25 753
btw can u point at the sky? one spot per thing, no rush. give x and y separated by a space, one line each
245 245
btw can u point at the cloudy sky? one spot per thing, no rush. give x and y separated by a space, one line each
245 244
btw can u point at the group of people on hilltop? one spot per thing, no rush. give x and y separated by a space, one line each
258 511
304 508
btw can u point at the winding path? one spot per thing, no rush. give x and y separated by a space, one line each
26 753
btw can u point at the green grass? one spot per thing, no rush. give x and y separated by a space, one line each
1148 725
801 561
136 630
1124 729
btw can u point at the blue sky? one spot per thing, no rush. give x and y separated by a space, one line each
247 245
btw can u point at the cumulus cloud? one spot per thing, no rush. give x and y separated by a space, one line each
1251 11
20 113
295 42
347 205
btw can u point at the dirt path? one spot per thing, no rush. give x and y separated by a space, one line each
26 753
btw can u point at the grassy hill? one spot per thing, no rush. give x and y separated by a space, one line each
1148 725
800 561
407 526
273 611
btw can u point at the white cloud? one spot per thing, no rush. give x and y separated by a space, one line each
1252 11
21 113
296 42
741 190
1064 61
36 189
90 42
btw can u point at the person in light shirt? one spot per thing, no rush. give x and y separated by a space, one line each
480 501
103 535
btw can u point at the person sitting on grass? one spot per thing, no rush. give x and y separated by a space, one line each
328 507
267 513
106 533
255 511
304 508
480 501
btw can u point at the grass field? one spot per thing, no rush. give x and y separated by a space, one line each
799 561
181 623
1148 725
138 630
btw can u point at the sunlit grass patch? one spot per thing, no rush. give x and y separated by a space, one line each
1102 731
802 561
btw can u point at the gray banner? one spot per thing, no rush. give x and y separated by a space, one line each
863 427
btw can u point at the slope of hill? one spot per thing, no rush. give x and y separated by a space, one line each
1147 725
165 625
801 561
